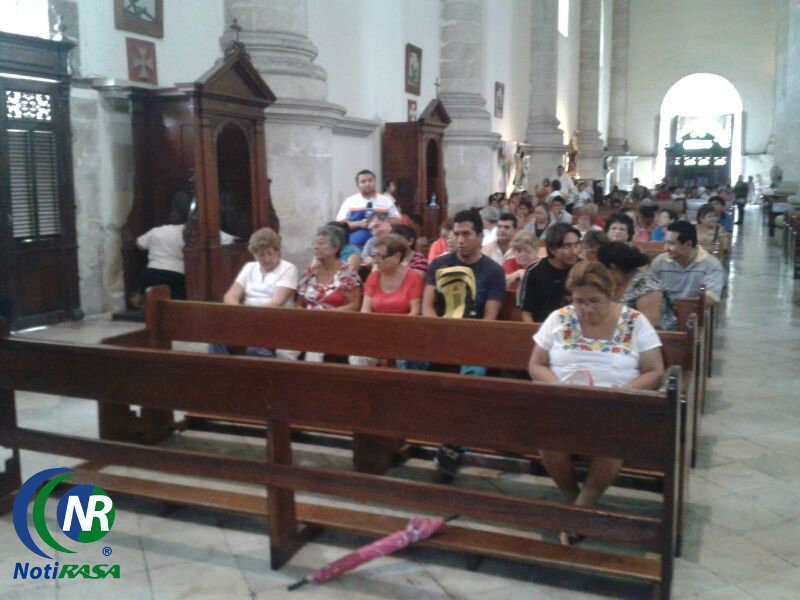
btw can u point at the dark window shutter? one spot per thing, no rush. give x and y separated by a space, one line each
34 184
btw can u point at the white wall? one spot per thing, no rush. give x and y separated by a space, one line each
183 54
568 69
669 40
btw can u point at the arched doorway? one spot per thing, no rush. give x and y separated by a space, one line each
698 105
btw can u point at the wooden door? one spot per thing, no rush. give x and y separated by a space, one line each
38 251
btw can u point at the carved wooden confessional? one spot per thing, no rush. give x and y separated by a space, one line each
202 143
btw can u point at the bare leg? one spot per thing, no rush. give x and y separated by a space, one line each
559 466
602 473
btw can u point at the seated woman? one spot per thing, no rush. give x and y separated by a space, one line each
525 250
666 216
647 222
709 232
680 207
598 341
440 246
585 222
329 283
267 281
413 259
351 254
540 220
394 287
591 243
619 228
636 288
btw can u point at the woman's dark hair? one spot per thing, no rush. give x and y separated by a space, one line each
682 202
673 216
556 234
594 238
555 185
621 256
703 211
386 184
408 232
527 204
647 213
621 218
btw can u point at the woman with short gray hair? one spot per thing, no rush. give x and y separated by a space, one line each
329 283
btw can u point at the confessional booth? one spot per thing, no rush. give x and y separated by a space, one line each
199 148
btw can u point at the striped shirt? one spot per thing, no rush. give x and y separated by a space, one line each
682 282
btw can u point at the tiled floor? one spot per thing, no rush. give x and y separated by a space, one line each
743 531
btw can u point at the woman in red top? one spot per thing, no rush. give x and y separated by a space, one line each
394 288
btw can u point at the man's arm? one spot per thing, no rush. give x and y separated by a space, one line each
428 297
714 280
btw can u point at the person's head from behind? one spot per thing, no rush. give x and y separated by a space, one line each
592 288
328 243
666 216
489 216
563 245
506 226
616 202
619 227
555 185
408 233
707 216
390 187
680 240
557 206
365 180
591 243
379 224
342 227
265 246
525 247
621 260
718 204
647 217
494 201
390 250
468 233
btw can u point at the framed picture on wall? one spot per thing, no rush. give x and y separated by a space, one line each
412 110
413 69
499 99
141 61
145 17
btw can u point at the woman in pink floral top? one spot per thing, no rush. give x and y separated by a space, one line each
329 283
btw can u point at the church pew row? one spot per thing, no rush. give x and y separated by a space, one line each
443 341
640 427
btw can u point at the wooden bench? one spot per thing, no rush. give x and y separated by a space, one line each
504 415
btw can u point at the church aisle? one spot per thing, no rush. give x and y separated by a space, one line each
743 530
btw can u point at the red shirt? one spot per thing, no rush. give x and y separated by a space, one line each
398 301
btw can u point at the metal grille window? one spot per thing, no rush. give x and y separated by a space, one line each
34 183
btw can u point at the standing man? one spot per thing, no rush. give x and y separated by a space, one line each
740 193
463 284
568 189
685 266
543 287
356 210
500 249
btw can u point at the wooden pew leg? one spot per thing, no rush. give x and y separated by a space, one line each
10 478
284 539
374 454
119 423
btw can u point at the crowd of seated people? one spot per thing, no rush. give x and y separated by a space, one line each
581 278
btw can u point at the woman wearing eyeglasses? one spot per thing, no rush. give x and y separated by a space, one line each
394 287
593 341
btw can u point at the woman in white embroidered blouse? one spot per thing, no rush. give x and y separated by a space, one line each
593 341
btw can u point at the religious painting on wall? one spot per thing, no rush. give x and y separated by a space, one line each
413 69
141 61
412 110
145 17
499 98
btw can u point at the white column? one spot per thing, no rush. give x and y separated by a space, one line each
469 143
590 147
619 77
544 138
299 126
787 101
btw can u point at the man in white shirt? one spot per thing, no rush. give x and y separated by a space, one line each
568 189
500 249
356 210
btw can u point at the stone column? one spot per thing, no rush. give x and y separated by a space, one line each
619 77
299 126
469 144
544 138
590 147
787 101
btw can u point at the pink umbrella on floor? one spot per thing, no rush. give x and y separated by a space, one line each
418 528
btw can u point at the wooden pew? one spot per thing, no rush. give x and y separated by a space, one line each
504 415
390 337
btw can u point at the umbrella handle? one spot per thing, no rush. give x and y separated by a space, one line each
297 584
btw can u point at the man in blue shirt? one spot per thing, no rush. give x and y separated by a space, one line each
723 218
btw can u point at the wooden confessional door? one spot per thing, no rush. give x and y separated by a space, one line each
38 250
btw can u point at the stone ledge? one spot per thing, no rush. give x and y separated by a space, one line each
298 111
355 127
472 138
